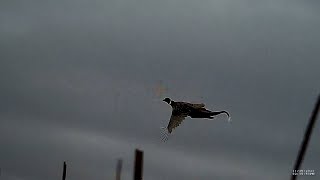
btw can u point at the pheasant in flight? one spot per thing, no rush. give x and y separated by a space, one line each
180 110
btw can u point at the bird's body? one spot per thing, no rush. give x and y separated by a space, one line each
181 110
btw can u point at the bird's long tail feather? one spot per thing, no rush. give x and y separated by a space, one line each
220 112
165 134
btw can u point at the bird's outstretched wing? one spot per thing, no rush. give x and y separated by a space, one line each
175 121
196 106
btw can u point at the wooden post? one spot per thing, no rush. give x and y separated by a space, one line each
64 171
118 170
138 165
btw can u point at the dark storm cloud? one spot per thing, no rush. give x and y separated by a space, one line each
77 81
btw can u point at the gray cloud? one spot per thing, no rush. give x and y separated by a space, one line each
77 80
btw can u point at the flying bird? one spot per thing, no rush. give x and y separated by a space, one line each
181 110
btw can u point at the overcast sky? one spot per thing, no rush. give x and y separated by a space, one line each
78 81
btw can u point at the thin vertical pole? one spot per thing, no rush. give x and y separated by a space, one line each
64 171
118 170
138 165
306 138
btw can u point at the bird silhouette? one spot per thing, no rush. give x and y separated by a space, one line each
181 110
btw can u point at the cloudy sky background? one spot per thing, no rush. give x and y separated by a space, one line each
78 79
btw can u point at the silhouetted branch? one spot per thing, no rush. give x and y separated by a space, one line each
306 138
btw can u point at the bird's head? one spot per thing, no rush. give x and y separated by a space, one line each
167 100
